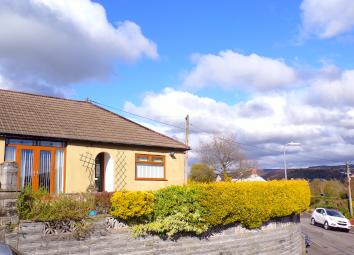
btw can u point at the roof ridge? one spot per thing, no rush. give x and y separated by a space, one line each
39 95
115 114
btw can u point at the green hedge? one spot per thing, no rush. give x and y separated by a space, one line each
197 207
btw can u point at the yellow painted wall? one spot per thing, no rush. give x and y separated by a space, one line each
2 149
78 178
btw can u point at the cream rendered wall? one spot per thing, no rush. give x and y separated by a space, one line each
77 178
2 149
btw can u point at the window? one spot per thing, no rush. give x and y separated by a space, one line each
150 167
10 153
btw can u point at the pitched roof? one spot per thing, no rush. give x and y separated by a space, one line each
26 114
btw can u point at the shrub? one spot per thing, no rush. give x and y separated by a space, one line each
176 210
201 172
195 208
132 206
252 203
103 202
60 208
26 199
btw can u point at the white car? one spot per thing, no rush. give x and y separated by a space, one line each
330 218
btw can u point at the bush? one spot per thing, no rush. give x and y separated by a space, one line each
41 206
132 206
103 202
60 208
253 203
26 199
197 207
202 173
176 210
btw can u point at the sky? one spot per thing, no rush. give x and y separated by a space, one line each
267 72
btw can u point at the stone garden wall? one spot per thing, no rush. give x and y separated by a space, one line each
276 237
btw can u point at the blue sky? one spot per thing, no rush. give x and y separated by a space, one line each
181 28
266 72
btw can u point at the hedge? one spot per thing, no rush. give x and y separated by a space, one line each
195 208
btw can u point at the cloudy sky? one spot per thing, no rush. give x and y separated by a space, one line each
269 72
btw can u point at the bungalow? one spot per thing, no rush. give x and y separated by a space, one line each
71 146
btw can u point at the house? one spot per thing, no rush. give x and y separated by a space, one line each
71 146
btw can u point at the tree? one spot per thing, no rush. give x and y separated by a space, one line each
201 172
223 154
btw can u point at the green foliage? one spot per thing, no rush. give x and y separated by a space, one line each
103 202
132 206
197 207
172 224
60 208
331 188
252 203
201 172
40 206
26 199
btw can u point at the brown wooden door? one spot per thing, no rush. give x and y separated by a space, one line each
36 167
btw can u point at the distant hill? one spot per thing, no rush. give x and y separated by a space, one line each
313 172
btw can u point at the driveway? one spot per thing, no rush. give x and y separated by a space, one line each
327 242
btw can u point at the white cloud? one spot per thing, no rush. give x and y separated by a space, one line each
330 92
231 69
327 18
266 122
49 42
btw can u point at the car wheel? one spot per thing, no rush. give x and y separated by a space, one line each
326 226
313 222
346 230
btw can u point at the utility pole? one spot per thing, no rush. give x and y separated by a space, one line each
349 175
186 157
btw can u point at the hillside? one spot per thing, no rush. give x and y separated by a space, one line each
322 172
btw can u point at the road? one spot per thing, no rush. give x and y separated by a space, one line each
327 242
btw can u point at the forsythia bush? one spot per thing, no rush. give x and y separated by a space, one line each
195 208
252 203
132 206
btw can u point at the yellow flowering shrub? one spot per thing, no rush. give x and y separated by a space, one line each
195 208
132 205
252 203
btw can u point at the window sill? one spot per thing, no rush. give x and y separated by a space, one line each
150 179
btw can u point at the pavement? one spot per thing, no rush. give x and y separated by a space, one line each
327 242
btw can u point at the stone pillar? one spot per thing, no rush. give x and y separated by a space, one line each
8 196
8 176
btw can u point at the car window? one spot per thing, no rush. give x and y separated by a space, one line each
318 210
335 213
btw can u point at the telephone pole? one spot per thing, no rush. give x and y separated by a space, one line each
186 157
349 175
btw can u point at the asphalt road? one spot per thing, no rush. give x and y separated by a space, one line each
327 242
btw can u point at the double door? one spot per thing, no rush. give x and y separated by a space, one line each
36 167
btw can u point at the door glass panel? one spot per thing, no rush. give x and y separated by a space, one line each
45 165
59 171
98 172
26 168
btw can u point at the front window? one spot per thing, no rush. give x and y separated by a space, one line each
334 213
150 167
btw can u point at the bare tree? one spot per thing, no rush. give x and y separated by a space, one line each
221 153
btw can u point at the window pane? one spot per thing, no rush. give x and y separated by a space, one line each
157 159
51 144
45 166
20 141
26 168
59 171
142 158
149 171
10 153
